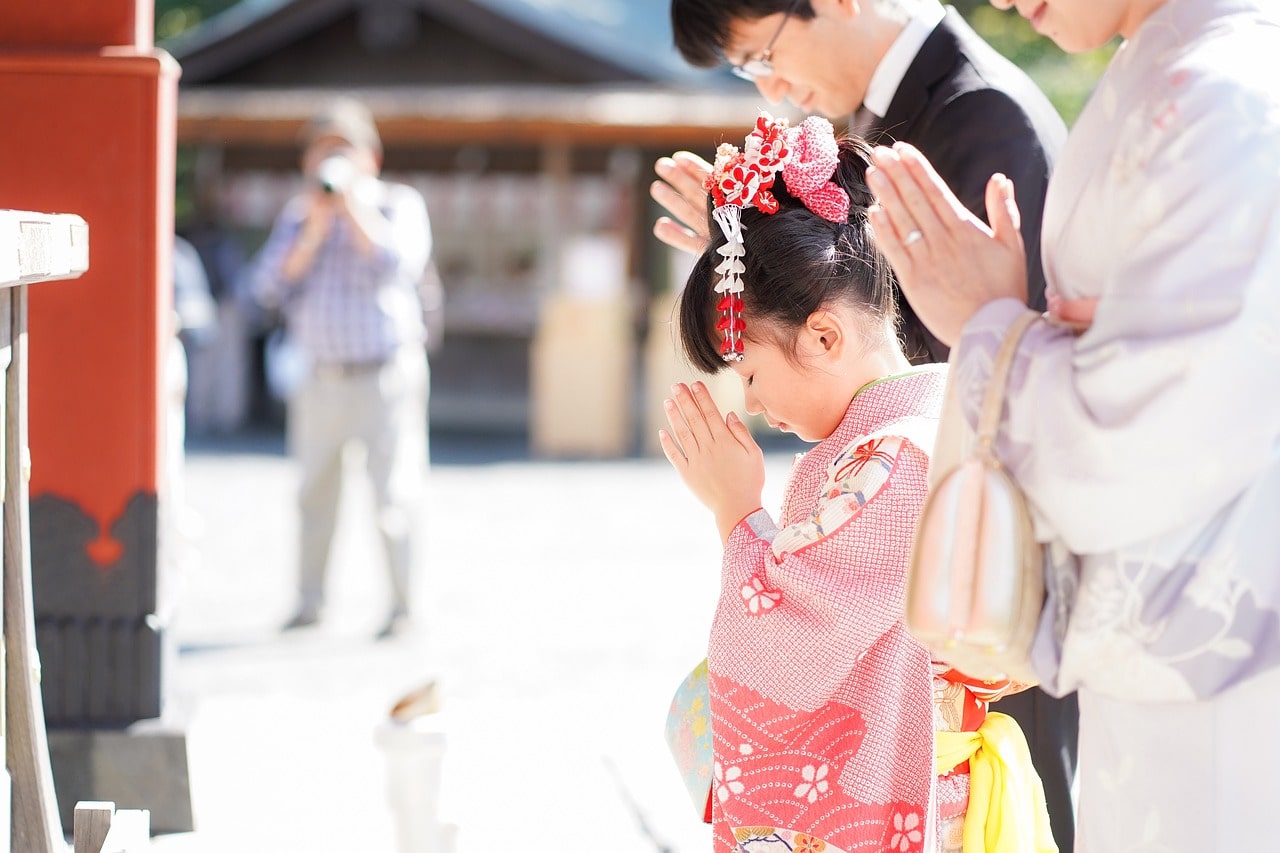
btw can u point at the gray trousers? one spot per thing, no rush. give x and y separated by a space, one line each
385 410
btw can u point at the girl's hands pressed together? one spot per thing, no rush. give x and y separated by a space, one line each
716 457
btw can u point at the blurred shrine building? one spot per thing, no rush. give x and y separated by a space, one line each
531 127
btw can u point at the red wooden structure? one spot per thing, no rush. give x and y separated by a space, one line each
92 109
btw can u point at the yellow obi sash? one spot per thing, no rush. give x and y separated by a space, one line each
1006 811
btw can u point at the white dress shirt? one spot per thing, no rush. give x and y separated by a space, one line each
893 67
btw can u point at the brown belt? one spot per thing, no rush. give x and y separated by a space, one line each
348 369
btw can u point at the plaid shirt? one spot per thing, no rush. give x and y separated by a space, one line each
350 307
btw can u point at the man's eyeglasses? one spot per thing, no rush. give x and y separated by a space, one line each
762 65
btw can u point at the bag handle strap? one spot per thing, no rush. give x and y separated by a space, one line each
993 400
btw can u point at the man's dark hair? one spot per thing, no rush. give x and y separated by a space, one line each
701 27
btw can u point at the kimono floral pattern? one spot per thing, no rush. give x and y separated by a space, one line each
1149 443
815 783
907 832
855 477
757 598
728 781
688 736
906 836
822 709
773 839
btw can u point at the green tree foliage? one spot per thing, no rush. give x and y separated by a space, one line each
174 17
1067 79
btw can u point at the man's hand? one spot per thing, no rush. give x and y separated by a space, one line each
321 209
370 226
948 262
716 457
680 191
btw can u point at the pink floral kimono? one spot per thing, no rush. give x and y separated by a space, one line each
822 703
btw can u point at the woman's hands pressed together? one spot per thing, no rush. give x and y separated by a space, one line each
716 456
949 263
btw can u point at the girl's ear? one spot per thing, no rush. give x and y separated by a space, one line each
824 334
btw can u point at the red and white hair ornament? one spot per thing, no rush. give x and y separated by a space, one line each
807 157
730 325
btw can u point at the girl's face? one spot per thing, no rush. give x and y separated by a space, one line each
794 393
1079 25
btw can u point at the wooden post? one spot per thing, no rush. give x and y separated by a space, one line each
33 247
94 108
99 828
92 823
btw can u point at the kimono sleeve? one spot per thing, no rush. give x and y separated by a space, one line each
814 596
1165 409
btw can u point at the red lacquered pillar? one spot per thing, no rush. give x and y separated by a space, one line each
90 109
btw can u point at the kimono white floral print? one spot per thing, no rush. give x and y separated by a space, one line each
1149 444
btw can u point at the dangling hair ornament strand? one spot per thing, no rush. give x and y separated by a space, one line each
807 157
730 325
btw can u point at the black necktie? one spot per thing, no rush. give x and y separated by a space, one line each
864 123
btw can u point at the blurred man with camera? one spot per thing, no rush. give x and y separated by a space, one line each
343 265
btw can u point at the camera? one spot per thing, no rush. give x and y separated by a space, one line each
335 174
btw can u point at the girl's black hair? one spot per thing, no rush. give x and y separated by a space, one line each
796 263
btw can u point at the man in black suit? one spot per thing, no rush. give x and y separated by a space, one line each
906 70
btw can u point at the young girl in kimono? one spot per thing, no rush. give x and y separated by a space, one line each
1142 417
823 707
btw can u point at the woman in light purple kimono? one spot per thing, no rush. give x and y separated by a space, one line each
1143 418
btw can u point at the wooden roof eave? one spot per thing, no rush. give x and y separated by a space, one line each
247 31
446 115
